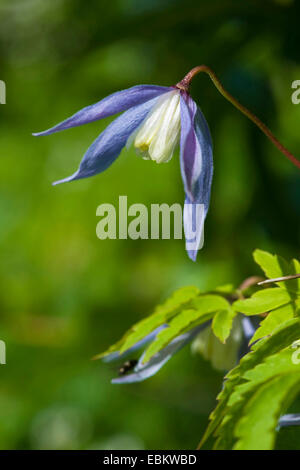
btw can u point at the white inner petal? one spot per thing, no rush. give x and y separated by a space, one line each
158 135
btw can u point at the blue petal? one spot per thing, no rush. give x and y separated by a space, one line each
289 420
196 161
248 332
144 371
107 147
248 328
115 356
112 104
193 222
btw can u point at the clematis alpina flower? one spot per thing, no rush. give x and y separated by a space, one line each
155 121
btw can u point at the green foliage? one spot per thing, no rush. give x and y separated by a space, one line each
162 314
256 429
263 301
278 303
64 293
185 309
222 323
272 265
272 320
258 390
267 379
188 307
275 266
203 309
268 359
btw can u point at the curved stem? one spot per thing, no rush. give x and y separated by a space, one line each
185 83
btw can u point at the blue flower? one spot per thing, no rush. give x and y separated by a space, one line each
155 120
237 342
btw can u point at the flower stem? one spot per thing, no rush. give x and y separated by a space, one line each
279 279
185 83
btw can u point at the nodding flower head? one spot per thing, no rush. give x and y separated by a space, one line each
155 120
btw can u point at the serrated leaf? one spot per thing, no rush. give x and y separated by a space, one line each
210 303
222 323
263 301
273 320
217 415
242 394
275 266
246 386
272 265
176 327
282 337
276 364
203 310
161 315
256 428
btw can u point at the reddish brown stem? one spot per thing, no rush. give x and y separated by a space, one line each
185 84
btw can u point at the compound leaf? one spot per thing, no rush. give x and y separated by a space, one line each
263 301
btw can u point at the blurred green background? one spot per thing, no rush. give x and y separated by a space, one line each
65 295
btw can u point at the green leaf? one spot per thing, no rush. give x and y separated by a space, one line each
248 384
256 430
176 327
217 415
220 419
210 303
273 320
244 388
282 337
272 265
179 300
222 323
263 301
203 310
274 365
275 266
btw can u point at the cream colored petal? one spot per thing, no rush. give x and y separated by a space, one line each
158 135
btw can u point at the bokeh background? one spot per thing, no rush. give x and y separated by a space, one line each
65 295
